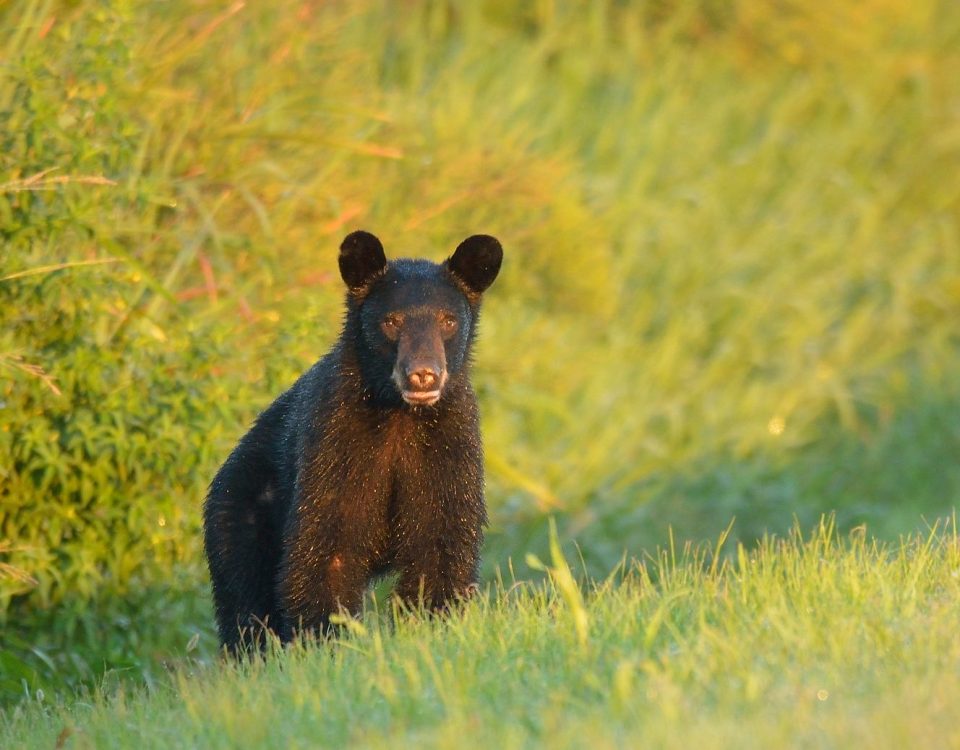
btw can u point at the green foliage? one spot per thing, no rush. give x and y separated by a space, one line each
732 283
826 641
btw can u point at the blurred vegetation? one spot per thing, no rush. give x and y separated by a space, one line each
732 283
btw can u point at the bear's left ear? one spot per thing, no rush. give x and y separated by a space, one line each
361 259
476 262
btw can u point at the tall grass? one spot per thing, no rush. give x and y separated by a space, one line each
824 641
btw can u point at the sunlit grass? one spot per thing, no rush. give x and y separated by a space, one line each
818 641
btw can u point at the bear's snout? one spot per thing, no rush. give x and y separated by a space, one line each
420 370
421 384
423 379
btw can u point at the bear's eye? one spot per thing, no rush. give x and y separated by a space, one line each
391 325
448 325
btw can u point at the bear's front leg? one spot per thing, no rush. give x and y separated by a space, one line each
440 516
437 562
318 578
433 585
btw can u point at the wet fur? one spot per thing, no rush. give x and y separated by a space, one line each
340 481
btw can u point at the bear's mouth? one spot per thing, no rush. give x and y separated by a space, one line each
421 398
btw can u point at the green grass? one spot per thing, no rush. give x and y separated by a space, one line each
816 642
731 288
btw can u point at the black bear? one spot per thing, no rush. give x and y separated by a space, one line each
370 463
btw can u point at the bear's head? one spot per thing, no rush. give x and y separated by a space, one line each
412 322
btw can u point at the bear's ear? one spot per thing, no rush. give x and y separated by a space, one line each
361 259
476 262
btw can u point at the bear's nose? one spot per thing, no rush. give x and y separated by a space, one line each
423 379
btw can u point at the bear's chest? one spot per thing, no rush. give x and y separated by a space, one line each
364 462
398 444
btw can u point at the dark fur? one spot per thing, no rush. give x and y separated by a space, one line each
340 480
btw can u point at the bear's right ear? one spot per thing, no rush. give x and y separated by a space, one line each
361 259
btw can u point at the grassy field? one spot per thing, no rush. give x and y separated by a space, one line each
731 290
816 642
